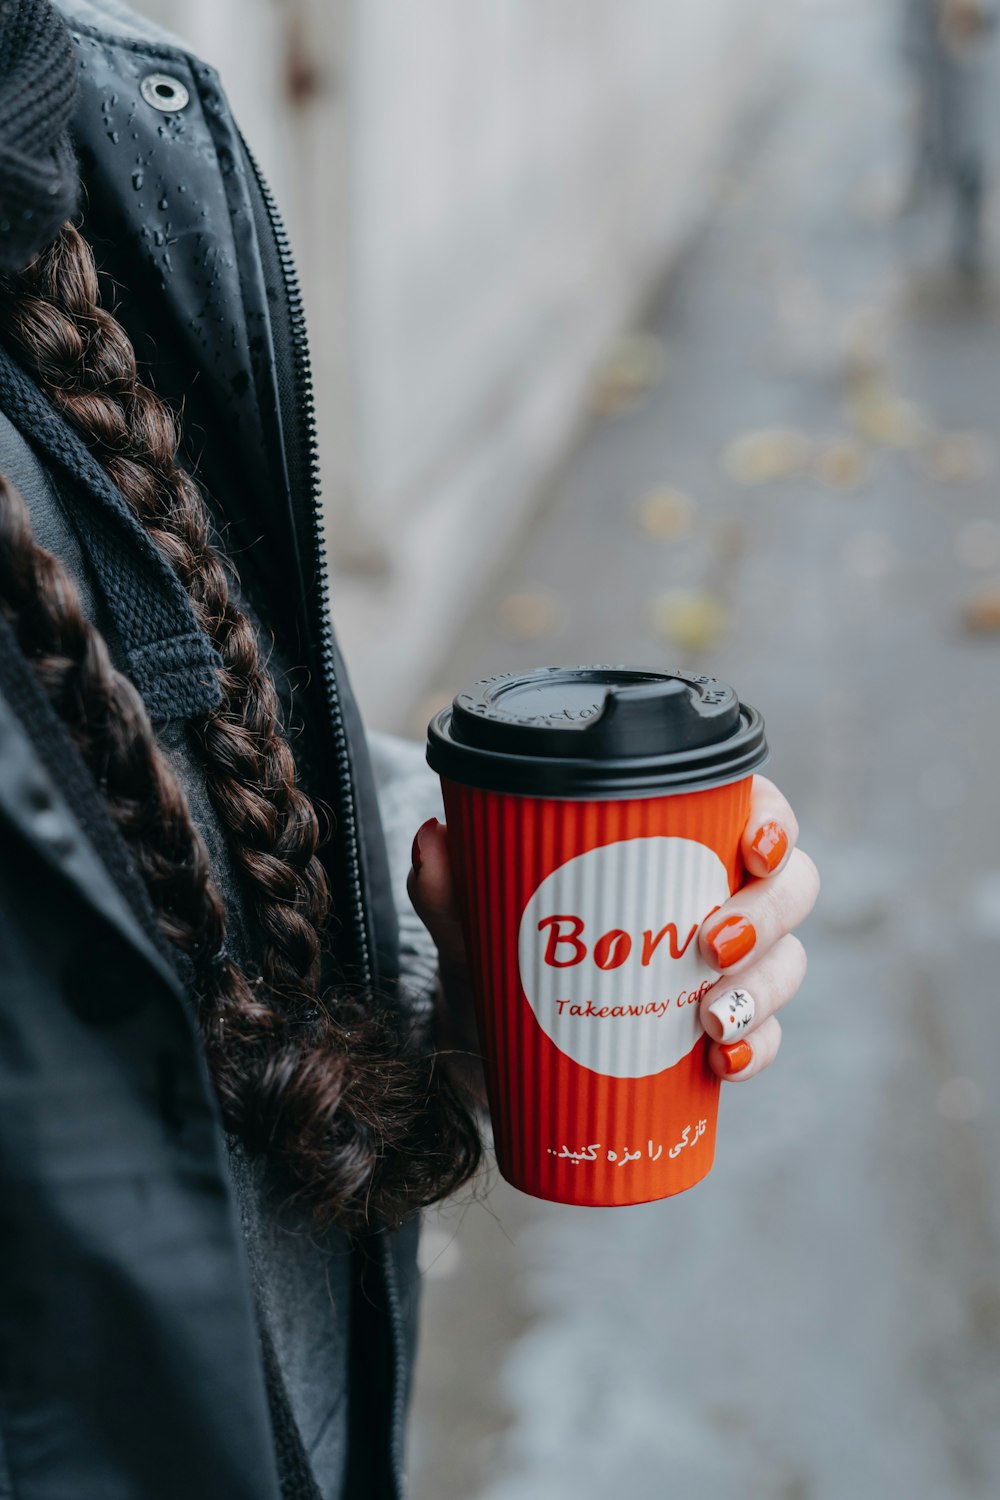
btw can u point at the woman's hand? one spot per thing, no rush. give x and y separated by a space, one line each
749 940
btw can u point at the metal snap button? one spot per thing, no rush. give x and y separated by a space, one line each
164 93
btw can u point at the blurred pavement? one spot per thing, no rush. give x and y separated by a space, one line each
793 486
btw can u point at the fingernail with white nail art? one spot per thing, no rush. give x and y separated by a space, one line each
734 1010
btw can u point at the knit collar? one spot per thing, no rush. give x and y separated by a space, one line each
171 661
38 175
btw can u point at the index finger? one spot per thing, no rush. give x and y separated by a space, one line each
771 831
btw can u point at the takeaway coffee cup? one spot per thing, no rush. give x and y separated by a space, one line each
594 821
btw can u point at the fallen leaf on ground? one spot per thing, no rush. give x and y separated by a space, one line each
963 23
689 618
981 611
864 344
762 457
665 512
630 369
882 416
841 464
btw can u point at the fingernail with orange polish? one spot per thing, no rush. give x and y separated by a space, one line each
731 940
416 858
737 1057
771 843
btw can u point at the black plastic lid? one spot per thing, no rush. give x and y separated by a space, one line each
596 732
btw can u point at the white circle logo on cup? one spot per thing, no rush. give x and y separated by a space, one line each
608 953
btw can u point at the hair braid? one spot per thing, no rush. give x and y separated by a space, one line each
110 727
85 363
359 1122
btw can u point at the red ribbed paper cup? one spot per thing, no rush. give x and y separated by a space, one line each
581 917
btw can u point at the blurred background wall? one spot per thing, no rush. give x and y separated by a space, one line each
481 195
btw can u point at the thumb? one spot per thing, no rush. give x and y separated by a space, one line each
431 889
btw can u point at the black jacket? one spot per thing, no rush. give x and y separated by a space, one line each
130 1367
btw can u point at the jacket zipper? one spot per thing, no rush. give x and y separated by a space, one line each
349 825
306 406
399 1365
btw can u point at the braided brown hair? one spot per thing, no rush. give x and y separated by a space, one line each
366 1126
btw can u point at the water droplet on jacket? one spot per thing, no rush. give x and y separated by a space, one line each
159 238
163 204
113 137
137 180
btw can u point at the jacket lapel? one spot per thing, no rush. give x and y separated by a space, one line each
182 253
171 662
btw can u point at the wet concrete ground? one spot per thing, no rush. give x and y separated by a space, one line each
820 1320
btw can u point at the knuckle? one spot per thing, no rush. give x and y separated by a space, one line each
771 802
774 897
796 950
763 786
780 976
788 821
802 884
807 872
766 1043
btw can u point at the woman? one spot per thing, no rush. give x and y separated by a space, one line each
218 1116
